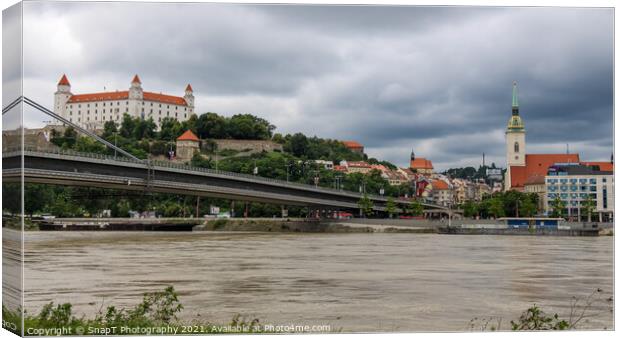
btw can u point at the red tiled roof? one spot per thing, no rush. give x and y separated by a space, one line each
538 164
340 168
124 95
440 185
352 144
189 88
64 81
188 136
136 79
358 164
148 96
421 163
603 166
121 95
517 177
535 179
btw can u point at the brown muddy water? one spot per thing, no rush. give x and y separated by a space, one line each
351 282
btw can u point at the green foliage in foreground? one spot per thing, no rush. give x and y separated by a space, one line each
535 319
157 310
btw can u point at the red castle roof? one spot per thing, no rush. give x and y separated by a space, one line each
136 79
188 136
64 81
189 88
124 95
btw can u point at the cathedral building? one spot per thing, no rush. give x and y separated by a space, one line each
520 165
92 110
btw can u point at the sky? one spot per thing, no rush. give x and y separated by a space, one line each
435 80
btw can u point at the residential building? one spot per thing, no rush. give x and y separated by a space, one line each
441 193
480 190
356 166
92 110
327 165
573 184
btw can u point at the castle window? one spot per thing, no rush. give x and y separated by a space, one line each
516 147
95 105
104 104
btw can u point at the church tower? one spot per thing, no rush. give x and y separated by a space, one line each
515 134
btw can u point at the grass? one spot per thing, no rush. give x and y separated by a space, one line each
156 314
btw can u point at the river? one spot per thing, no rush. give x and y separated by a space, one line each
351 282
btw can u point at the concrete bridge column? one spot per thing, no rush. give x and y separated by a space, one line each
284 212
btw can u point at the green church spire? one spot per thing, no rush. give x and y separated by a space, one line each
515 123
515 95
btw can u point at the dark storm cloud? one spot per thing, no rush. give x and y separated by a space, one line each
435 79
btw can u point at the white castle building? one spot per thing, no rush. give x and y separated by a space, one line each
92 110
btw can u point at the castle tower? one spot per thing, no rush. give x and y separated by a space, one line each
61 96
515 134
189 98
136 96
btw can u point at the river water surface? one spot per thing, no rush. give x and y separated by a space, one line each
351 282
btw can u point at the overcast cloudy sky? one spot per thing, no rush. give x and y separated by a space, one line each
437 80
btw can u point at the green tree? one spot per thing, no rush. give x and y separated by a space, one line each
211 125
170 129
298 145
557 207
365 205
128 125
495 207
588 206
390 206
470 209
415 208
109 129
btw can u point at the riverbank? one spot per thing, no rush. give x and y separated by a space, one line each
279 225
355 225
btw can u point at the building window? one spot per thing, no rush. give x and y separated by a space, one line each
516 147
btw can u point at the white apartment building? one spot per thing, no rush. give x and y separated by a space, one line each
92 110
573 183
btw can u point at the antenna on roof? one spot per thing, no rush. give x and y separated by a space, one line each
566 148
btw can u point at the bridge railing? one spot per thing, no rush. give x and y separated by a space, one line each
166 164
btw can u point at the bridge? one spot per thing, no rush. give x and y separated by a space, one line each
56 166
